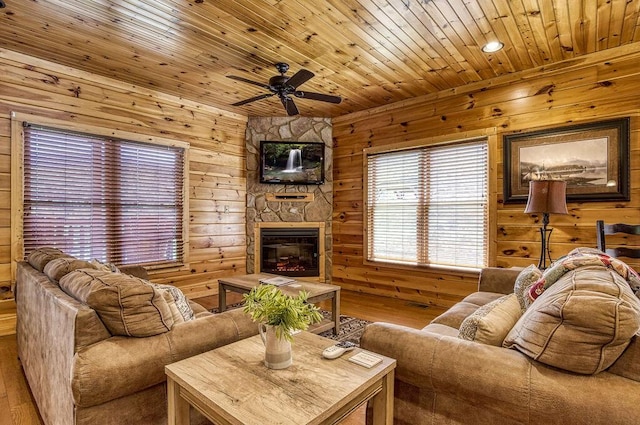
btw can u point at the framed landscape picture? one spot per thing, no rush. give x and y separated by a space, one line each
592 158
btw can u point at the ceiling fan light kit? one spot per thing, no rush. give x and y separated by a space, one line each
285 87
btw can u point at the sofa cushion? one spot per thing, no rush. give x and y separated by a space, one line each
59 267
582 323
127 305
491 323
525 280
454 316
197 308
41 256
440 329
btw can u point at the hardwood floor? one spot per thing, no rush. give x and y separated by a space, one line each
17 406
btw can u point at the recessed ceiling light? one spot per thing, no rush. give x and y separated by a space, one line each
492 46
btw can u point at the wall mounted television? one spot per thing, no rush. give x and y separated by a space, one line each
291 162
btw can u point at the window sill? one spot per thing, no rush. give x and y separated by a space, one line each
432 268
157 270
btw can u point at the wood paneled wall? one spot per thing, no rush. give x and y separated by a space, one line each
217 155
591 88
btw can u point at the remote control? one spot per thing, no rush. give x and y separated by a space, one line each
337 350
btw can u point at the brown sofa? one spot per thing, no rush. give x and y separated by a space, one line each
442 378
79 373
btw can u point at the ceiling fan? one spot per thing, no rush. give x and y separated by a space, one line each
284 87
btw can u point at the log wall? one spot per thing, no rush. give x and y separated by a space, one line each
217 176
591 88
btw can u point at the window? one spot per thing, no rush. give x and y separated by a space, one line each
428 206
98 197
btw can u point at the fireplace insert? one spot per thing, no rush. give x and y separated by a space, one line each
290 251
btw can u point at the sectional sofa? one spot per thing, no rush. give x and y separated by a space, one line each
94 343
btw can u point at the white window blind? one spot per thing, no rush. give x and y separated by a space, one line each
428 206
93 197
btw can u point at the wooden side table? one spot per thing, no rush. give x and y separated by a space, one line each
231 385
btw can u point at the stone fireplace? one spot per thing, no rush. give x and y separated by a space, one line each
290 249
282 206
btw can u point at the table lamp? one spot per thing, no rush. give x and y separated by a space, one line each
546 197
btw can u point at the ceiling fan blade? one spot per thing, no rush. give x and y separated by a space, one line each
318 96
299 78
244 80
253 99
288 104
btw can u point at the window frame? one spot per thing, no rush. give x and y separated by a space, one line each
490 135
17 179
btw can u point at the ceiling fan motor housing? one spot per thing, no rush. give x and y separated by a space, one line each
284 87
277 80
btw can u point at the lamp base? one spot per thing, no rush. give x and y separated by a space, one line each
545 235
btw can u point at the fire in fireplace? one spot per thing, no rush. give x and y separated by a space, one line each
290 251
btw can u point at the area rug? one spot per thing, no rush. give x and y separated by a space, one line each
351 328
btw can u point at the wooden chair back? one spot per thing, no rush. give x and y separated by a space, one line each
628 251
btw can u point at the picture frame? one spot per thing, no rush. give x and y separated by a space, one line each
593 158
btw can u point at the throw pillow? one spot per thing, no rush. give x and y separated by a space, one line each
582 323
524 282
173 308
491 323
126 305
41 256
181 301
59 267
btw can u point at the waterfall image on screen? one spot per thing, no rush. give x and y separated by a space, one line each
291 162
294 163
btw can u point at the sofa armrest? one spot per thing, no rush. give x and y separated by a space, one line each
208 332
135 271
495 279
45 332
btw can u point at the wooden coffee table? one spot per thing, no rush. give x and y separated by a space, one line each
231 385
317 292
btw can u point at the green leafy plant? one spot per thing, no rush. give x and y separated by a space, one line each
267 304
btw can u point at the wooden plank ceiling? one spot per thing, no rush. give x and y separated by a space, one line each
370 52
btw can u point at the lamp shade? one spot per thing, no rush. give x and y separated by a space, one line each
547 196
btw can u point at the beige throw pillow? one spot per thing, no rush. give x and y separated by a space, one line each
491 323
581 323
126 305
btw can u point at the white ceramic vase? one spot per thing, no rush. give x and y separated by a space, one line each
277 350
